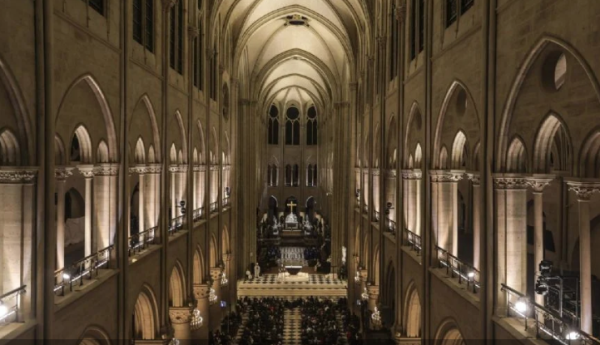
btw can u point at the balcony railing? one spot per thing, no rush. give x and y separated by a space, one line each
198 214
142 240
214 207
413 241
87 267
226 201
391 226
175 225
375 216
546 323
366 209
456 268
11 301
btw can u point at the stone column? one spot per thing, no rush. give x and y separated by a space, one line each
446 208
88 174
412 183
173 175
17 227
201 292
215 309
538 184
373 291
584 191
511 223
151 196
61 175
477 202
141 201
105 194
180 319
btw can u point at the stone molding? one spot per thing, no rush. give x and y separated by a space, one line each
178 168
180 315
146 169
215 273
539 182
475 178
63 173
414 174
106 170
17 174
584 189
504 181
373 291
446 175
375 172
199 167
86 170
391 173
201 291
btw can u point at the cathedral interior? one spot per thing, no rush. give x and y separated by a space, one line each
299 172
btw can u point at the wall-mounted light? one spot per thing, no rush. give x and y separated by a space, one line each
227 192
182 206
388 207
3 310
521 305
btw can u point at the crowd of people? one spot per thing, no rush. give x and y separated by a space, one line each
265 321
351 324
229 327
319 322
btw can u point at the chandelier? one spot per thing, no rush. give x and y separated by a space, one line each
365 295
197 320
224 280
212 297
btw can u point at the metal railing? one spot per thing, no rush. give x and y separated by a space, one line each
214 207
413 241
142 240
86 267
10 312
366 209
546 323
391 226
226 201
375 216
198 214
176 224
456 268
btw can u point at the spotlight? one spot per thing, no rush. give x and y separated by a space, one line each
3 309
541 287
573 335
521 305
66 276
471 275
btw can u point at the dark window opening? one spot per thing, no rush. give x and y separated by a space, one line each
451 12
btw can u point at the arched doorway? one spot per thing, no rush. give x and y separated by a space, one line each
144 318
413 313
176 286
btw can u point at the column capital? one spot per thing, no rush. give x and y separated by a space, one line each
87 170
106 170
181 168
201 291
510 181
474 177
154 168
583 189
539 182
446 175
215 273
180 315
412 174
63 173
138 169
373 291
17 174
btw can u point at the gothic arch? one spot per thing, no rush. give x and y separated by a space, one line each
198 272
412 312
10 151
182 133
89 120
94 335
511 101
225 247
413 128
213 258
589 156
177 286
449 334
552 138
145 315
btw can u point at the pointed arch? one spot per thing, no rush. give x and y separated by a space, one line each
443 158
413 127
552 138
177 286
412 312
198 272
459 151
94 335
530 59
145 315
102 152
10 151
140 152
83 146
516 161
589 156
201 138
448 333
183 134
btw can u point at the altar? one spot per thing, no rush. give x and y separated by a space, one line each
293 270
291 222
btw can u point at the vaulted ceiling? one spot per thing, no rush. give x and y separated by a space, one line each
294 50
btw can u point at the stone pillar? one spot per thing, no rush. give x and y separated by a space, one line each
477 202
180 319
173 175
61 175
88 174
215 309
584 191
201 292
105 194
17 227
373 291
538 184
511 223
412 183
446 208
151 196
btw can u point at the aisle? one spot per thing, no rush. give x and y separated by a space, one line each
292 327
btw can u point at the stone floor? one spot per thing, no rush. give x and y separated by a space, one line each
275 285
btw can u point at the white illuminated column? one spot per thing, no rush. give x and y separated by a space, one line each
445 205
538 184
61 174
477 202
88 174
584 191
105 207
511 224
